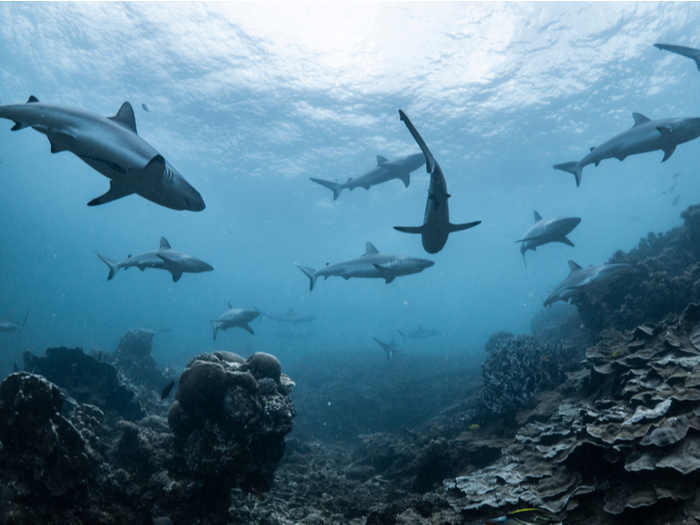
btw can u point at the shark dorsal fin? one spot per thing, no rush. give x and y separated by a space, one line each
31 99
538 217
574 266
381 160
164 244
125 117
639 119
370 249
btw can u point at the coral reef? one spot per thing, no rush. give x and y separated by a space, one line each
665 280
62 461
518 367
87 380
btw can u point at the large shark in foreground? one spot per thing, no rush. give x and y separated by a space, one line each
386 170
436 221
235 317
543 232
111 146
371 265
646 135
584 280
165 258
689 52
389 348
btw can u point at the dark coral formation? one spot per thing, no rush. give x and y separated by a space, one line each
61 461
230 419
518 367
134 361
86 379
666 278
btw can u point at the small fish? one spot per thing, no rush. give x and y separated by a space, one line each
167 389
145 108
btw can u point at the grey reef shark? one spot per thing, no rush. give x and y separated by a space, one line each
689 52
372 264
235 317
9 327
291 317
419 333
165 258
389 348
111 146
644 136
546 231
385 170
436 220
591 279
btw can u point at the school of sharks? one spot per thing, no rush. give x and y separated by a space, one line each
113 147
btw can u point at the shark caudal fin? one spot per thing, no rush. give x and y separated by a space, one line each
572 167
333 186
112 265
464 226
310 273
409 229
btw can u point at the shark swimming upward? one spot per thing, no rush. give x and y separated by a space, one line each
690 52
370 265
546 231
436 220
591 279
386 170
646 135
111 146
165 258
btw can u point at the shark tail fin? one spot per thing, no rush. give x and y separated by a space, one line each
333 186
463 226
112 265
310 273
572 167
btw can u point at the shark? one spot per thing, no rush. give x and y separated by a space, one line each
689 52
584 280
165 258
11 327
644 136
389 348
112 146
371 264
546 231
291 317
235 317
419 333
385 170
436 220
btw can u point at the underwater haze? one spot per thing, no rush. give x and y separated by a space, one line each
250 101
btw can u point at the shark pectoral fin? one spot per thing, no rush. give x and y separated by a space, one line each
464 226
596 163
406 179
125 117
566 240
389 279
409 229
60 141
247 328
668 152
116 191
176 275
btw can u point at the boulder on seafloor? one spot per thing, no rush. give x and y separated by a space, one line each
230 419
86 379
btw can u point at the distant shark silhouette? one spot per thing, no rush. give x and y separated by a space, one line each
389 348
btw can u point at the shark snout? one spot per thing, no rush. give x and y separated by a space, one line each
193 201
570 223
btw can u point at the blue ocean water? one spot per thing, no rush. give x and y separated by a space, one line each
248 102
